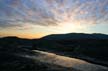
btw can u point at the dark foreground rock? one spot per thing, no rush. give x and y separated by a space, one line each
11 59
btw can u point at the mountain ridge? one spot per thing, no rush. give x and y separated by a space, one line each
76 36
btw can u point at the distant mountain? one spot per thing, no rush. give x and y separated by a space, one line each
75 36
13 40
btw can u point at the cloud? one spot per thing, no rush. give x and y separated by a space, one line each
5 24
52 12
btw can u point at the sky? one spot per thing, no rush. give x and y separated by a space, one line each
38 18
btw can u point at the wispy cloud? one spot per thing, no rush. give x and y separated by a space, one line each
52 12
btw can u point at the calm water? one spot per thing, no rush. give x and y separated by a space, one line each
66 61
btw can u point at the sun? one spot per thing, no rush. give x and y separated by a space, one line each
69 27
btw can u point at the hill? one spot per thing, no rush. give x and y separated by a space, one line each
75 36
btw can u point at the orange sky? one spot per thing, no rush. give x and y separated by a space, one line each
29 36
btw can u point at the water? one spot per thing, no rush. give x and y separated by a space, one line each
67 61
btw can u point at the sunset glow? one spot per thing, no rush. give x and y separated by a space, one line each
38 18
